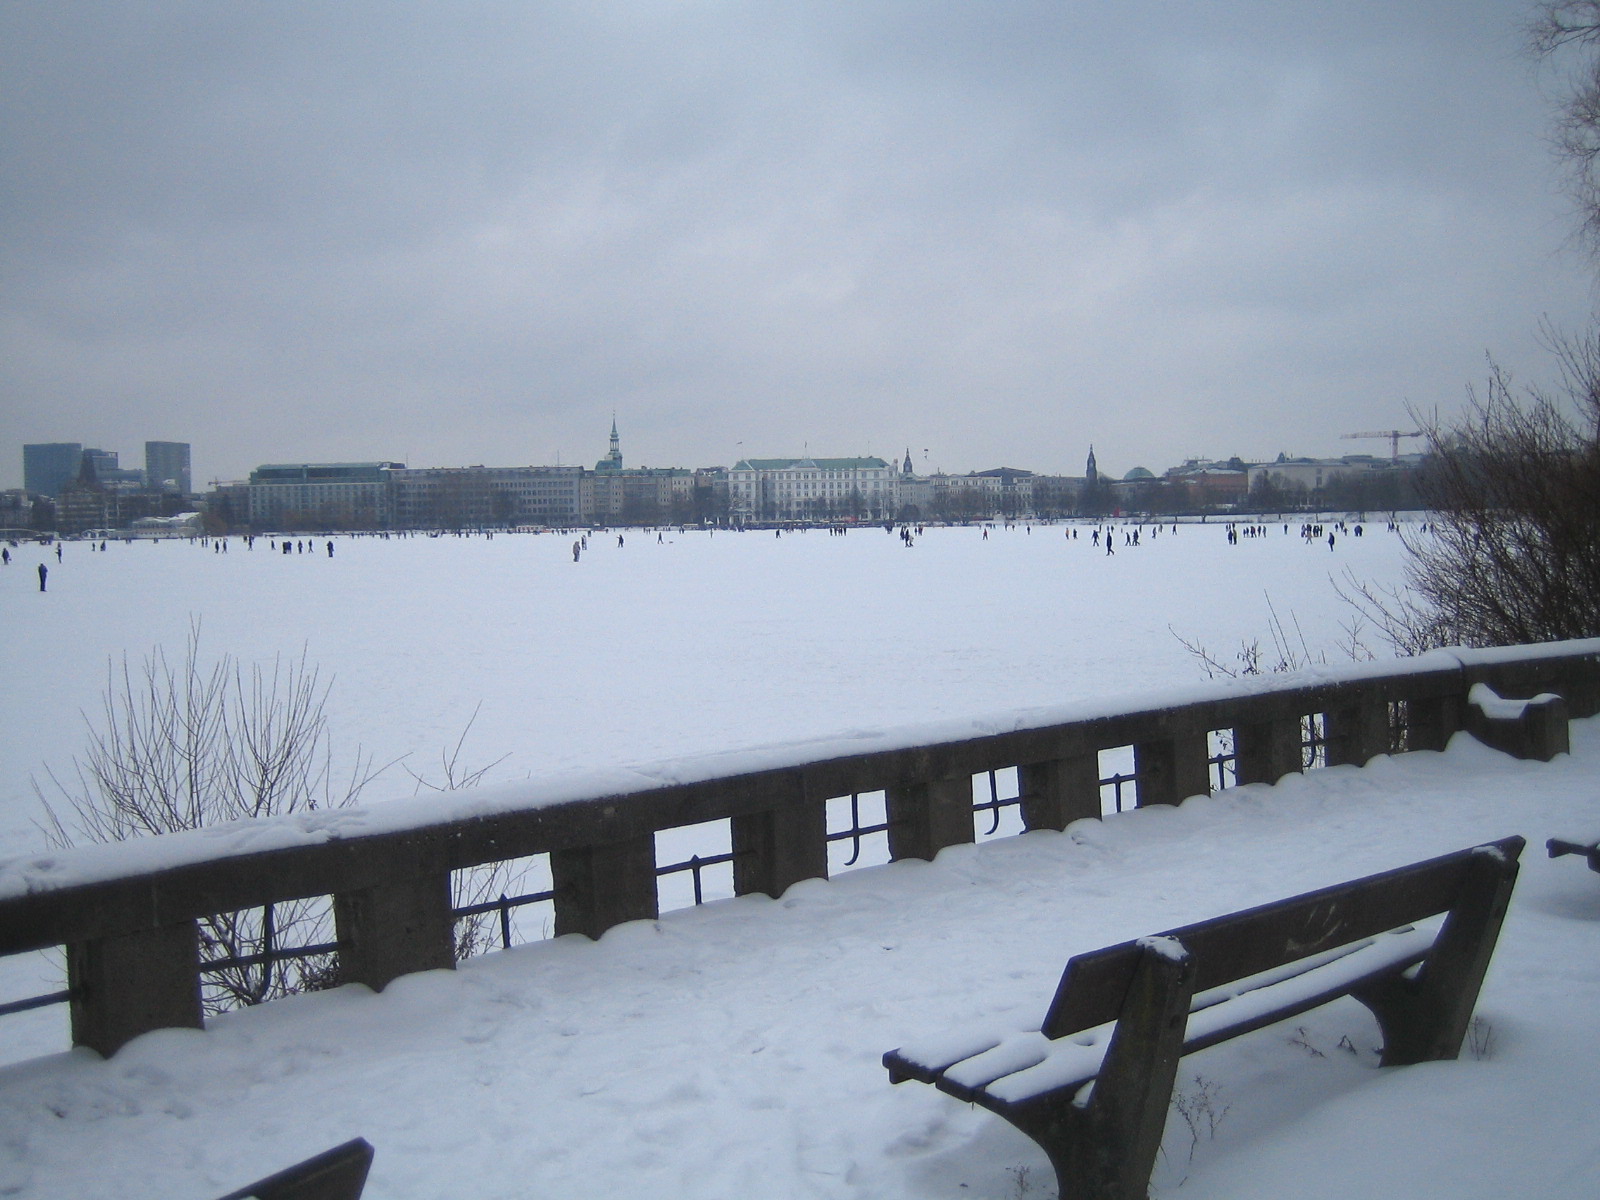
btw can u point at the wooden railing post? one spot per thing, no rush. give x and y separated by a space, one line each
603 885
1581 687
128 984
1170 769
1266 751
1432 720
1357 731
924 818
395 928
1054 794
776 849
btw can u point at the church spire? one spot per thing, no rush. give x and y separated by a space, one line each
613 459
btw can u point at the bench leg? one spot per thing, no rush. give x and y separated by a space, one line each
1105 1149
1426 1018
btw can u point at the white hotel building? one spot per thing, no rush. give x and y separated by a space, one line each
810 489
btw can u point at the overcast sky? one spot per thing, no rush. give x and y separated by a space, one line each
995 232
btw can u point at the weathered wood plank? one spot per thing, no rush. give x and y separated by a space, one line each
1246 943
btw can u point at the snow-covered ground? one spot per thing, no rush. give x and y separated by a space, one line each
694 644
732 1050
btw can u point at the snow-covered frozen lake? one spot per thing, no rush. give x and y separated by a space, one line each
696 643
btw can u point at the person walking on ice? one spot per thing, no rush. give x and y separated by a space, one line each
44 573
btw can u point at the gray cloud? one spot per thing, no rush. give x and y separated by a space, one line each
467 232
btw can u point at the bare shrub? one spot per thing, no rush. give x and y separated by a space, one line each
1288 652
1512 554
1201 1107
476 933
187 743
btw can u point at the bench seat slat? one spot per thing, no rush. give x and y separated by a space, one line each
1258 1005
927 1059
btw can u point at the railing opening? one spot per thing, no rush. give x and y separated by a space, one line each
1399 726
694 863
503 904
996 804
1118 789
1313 740
1222 763
40 976
858 831
258 954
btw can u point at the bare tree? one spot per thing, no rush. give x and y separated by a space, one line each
1512 554
181 745
1565 36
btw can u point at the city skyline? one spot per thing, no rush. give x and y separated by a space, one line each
614 459
296 234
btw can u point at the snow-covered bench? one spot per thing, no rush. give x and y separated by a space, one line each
337 1174
1123 1016
1589 847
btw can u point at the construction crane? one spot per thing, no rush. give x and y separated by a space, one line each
1394 436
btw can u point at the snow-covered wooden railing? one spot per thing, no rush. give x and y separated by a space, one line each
127 913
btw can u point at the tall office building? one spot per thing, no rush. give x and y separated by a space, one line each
166 467
47 467
107 470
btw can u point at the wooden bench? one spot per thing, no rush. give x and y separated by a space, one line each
1123 1016
1588 848
337 1174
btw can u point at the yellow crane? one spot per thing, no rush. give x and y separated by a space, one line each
1394 436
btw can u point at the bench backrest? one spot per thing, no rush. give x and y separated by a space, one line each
1241 944
337 1174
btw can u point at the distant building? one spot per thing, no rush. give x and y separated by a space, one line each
321 495
1312 475
637 495
47 467
1202 483
179 525
84 506
1355 481
998 492
16 512
227 505
166 467
476 497
811 489
1056 495
614 494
